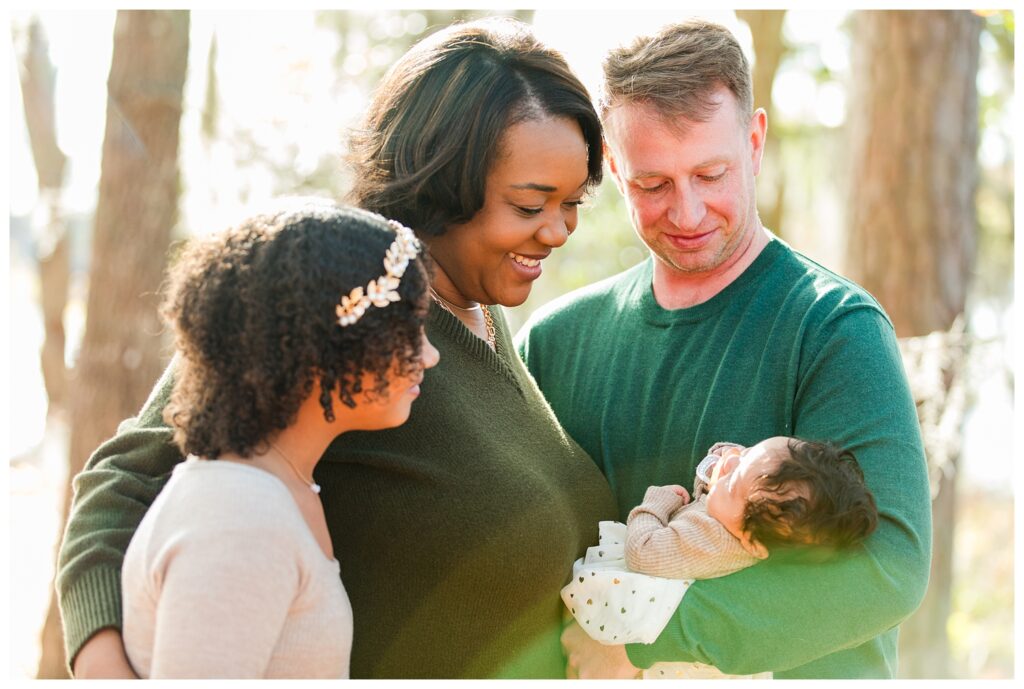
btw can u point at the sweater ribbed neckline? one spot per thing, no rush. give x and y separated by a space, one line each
655 314
450 326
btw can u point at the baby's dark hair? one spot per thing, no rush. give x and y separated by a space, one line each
253 315
815 496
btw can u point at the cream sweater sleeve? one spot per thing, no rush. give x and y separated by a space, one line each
211 574
224 580
666 541
223 597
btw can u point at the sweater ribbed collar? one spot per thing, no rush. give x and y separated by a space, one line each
451 327
642 294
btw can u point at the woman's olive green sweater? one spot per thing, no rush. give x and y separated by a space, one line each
454 532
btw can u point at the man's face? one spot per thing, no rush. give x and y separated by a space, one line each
690 195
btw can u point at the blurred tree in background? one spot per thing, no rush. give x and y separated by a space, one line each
137 209
870 168
770 48
913 128
912 233
38 80
368 43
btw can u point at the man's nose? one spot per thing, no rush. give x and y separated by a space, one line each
687 208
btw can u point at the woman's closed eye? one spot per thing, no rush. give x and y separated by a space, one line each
530 211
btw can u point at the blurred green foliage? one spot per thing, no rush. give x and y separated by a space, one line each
980 626
995 196
814 182
806 175
372 40
806 165
809 160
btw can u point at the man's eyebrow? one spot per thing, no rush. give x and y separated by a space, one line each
713 161
641 174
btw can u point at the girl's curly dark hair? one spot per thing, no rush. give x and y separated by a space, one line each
253 314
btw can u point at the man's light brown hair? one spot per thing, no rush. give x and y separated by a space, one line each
676 70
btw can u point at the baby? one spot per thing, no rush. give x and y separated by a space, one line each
781 492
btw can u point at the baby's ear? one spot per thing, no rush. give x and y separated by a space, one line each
753 547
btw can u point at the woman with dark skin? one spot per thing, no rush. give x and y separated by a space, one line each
455 531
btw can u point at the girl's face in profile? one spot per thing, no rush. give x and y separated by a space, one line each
531 203
374 412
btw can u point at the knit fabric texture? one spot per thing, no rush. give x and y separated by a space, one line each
669 539
455 531
223 579
788 348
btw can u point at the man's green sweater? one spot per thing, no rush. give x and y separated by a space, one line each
791 349
455 531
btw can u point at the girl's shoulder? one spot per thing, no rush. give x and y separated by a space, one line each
229 494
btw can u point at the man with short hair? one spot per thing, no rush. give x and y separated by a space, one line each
727 332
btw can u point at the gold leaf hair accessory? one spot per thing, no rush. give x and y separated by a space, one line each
383 290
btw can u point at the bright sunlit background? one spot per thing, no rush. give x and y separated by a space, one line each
284 102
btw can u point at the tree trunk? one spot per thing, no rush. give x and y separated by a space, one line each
769 49
38 79
136 212
914 134
913 127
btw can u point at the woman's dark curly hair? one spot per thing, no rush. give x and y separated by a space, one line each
253 314
832 507
435 125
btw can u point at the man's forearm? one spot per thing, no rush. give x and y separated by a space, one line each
785 613
112 494
781 615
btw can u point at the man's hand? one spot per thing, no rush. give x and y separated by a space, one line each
589 659
103 657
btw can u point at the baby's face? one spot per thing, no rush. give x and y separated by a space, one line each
735 480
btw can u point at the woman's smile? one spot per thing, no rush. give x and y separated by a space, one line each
527 266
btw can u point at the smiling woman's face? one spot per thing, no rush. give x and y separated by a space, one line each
530 207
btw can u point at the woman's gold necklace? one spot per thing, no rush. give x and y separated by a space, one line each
488 321
313 485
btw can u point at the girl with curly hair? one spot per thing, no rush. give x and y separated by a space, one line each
292 328
454 531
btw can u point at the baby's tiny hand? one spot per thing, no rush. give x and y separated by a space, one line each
681 492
